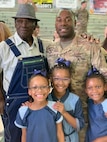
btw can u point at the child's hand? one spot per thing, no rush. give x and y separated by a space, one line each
59 107
27 103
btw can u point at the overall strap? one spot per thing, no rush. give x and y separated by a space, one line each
40 45
17 52
13 47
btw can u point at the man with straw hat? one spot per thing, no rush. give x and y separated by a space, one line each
18 61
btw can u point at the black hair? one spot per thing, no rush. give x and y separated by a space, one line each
34 75
60 66
98 76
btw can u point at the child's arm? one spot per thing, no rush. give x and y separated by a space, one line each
60 133
19 122
77 121
70 119
23 138
101 139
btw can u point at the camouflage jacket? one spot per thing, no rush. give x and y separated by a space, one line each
83 54
82 16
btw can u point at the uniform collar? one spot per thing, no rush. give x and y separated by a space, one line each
54 98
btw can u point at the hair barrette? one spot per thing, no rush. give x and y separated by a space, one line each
63 61
93 70
41 72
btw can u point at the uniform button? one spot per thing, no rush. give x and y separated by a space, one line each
7 104
7 97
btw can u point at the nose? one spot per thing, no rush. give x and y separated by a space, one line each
60 81
63 23
24 24
39 89
94 89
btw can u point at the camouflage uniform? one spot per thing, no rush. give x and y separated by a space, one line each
82 20
82 54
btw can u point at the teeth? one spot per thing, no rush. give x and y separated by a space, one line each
63 30
60 87
95 95
39 96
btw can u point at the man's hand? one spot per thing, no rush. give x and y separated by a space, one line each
90 38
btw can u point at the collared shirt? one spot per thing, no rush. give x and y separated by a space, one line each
8 60
43 129
97 119
73 106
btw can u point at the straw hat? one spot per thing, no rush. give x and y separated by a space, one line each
26 11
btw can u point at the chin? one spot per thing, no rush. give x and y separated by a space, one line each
60 91
63 35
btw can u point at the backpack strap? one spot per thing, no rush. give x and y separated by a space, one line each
13 47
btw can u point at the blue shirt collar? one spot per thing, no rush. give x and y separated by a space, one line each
54 98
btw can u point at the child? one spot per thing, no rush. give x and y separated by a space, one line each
95 87
1 112
67 103
39 121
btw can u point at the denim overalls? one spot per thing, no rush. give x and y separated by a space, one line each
17 92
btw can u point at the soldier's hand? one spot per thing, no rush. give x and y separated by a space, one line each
90 38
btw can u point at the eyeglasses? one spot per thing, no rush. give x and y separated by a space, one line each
61 79
35 88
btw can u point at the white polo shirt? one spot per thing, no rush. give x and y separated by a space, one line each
8 60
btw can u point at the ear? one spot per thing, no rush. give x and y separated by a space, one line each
35 24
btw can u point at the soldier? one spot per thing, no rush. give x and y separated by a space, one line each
82 53
82 18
